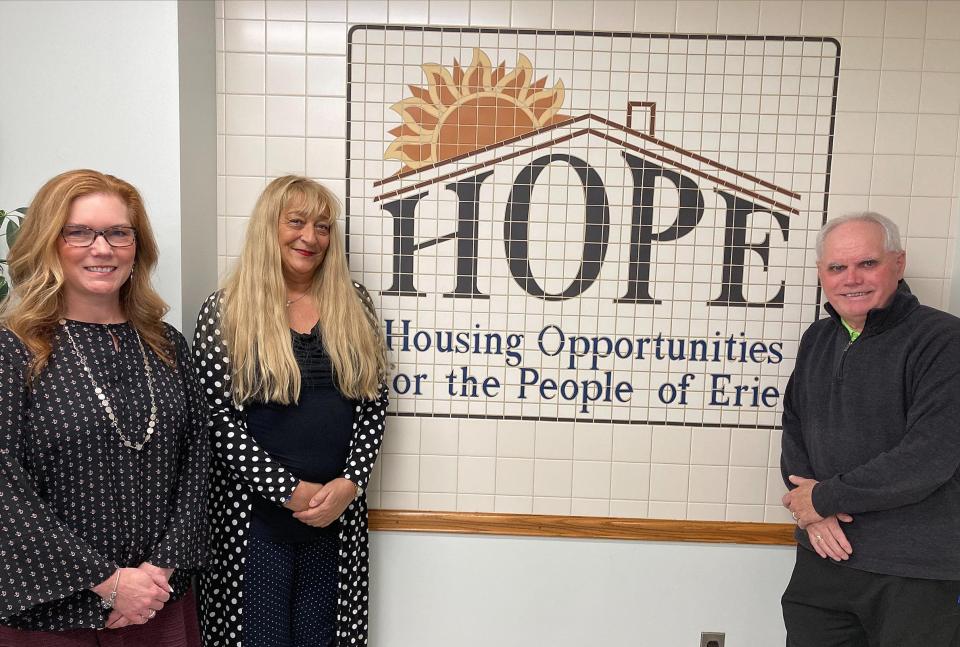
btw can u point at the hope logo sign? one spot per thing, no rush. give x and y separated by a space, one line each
600 227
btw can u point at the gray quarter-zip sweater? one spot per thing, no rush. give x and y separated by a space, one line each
877 422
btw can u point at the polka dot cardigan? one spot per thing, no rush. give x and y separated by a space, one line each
241 470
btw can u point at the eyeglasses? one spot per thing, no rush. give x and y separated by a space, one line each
319 228
83 236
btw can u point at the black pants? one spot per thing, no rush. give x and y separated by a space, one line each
828 605
290 593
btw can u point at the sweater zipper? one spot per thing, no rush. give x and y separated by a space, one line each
843 358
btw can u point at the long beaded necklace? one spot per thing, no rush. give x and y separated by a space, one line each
105 401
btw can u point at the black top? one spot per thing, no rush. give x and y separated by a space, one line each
875 421
311 438
74 502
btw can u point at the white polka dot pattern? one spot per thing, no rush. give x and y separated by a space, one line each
76 502
240 469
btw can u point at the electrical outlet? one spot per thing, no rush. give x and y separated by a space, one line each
711 639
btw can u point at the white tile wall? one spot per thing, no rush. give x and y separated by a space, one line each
554 440
942 19
532 14
477 438
904 19
591 479
902 54
593 442
449 12
671 445
514 476
710 446
781 17
552 478
489 13
511 504
286 10
244 73
822 18
630 481
552 505
244 9
708 484
438 473
285 155
285 74
476 475
697 16
244 36
669 482
281 78
613 15
655 16
572 15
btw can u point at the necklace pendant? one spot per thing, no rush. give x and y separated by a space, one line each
105 401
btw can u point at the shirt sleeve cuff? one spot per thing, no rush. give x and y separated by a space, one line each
824 499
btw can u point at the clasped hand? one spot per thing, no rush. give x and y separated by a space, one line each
799 501
825 534
319 505
141 593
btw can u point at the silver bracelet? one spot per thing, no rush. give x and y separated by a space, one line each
110 600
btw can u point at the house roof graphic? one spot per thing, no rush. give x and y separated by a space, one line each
589 125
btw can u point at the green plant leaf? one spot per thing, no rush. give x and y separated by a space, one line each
12 231
10 228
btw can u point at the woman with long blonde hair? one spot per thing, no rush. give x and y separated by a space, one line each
293 364
103 447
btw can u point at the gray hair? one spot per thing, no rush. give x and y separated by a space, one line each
891 233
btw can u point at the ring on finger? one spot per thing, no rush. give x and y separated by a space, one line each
152 615
819 538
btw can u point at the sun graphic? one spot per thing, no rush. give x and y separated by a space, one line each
463 111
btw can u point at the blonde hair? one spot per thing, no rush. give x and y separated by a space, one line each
254 306
36 303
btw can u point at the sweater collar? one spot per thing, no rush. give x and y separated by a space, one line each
880 319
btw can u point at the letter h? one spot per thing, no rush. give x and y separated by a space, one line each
403 213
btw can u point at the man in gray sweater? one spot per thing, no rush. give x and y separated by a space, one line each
871 452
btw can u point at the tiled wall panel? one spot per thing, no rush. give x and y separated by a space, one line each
282 108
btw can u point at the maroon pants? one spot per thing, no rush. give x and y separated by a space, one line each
174 626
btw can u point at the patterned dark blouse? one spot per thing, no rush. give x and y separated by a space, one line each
74 502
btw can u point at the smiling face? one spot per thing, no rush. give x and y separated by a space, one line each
94 275
856 272
303 243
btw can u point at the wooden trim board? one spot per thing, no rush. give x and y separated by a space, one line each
536 525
